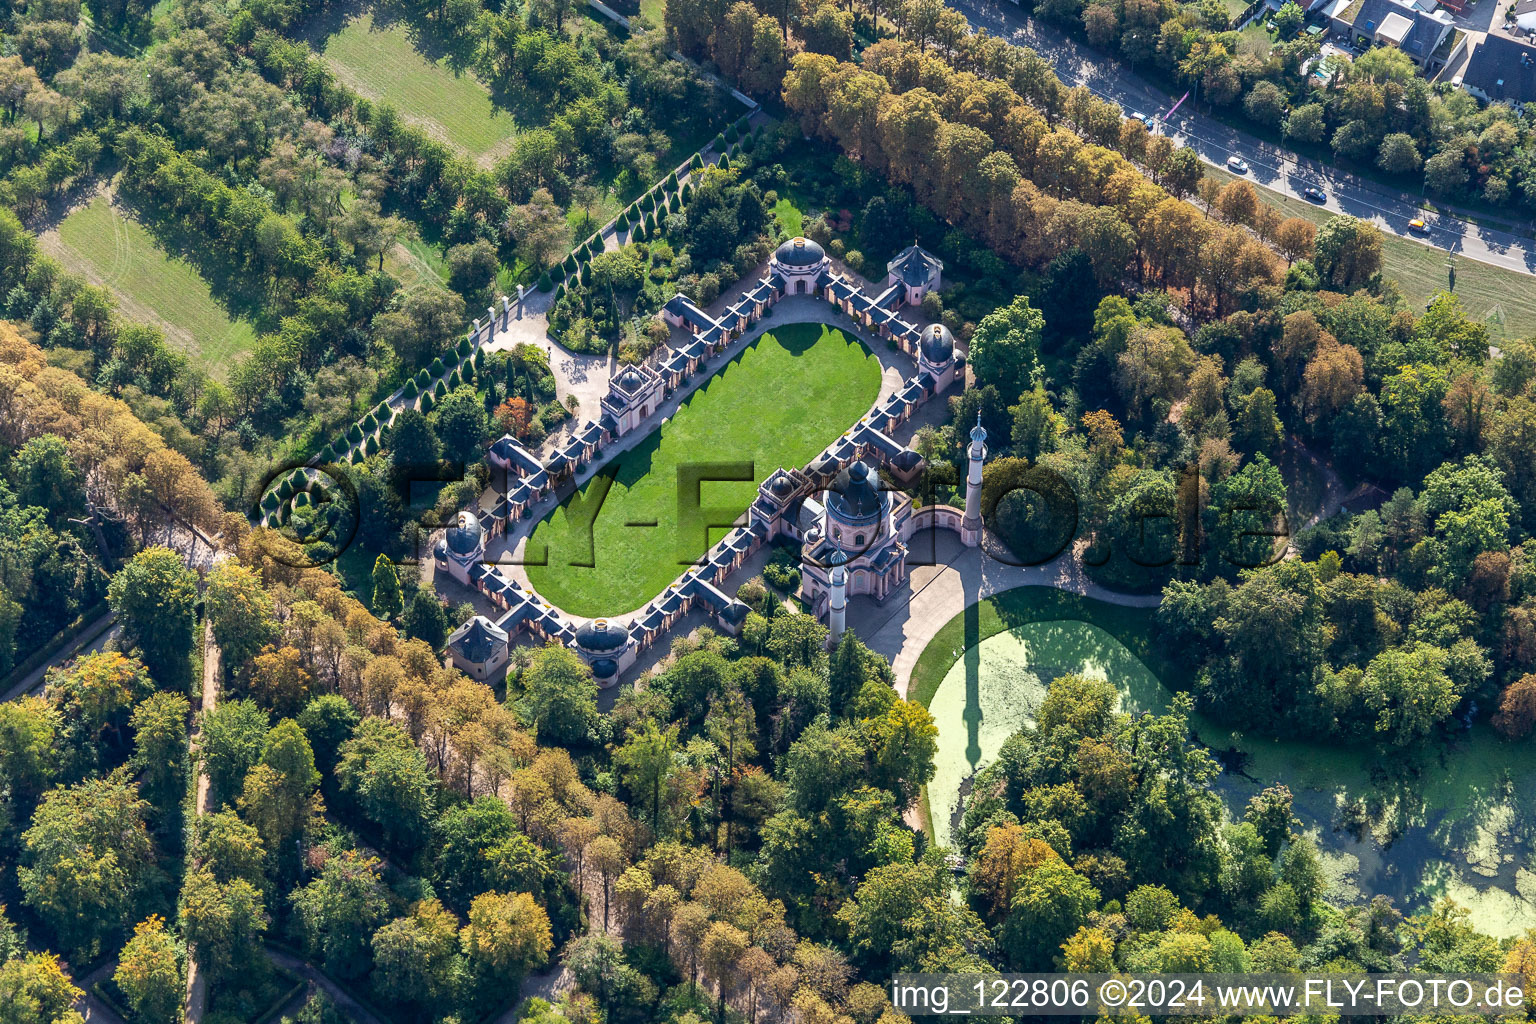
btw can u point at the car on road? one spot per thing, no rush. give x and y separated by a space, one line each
1237 164
1417 226
1137 115
1315 194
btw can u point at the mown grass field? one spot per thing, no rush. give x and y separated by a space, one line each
783 400
1420 271
382 63
106 245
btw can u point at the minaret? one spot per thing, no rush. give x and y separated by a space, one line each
837 603
970 526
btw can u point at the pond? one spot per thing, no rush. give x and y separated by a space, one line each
1452 819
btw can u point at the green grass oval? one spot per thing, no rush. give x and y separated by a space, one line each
785 398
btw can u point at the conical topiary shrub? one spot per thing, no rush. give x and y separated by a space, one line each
410 390
370 424
697 163
373 444
464 347
437 366
731 134
423 379
544 282
426 402
355 434
455 379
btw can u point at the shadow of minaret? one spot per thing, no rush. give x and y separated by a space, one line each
972 659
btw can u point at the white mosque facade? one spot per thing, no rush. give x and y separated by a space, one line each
851 523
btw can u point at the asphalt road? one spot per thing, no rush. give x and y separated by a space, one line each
1271 166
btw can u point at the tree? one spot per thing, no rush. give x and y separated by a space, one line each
34 989
277 791
85 860
1289 19
160 747
460 424
45 476
413 956
1036 424
337 913
1265 103
1516 716
472 269
223 923
228 848
28 759
903 742
1398 154
154 596
1006 346
1295 237
240 613
1348 252
414 447
149 972
387 600
385 774
327 720
1409 692
1051 903
94 697
539 228
1305 123
427 620
230 744
560 697
1446 171
646 765
507 935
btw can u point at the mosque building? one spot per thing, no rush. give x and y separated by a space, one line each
852 526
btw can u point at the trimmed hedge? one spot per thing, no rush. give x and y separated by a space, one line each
411 390
426 403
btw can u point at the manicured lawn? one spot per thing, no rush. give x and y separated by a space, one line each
789 217
382 63
1419 271
104 243
779 404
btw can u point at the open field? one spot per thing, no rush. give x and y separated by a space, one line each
783 400
382 63
103 242
1420 271
1448 819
